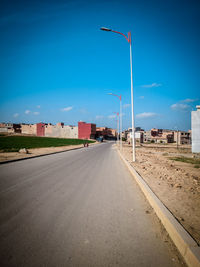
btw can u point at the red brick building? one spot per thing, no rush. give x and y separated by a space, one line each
86 130
40 129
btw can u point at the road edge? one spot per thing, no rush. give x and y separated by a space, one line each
185 244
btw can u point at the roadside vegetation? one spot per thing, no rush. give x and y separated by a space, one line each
15 143
194 161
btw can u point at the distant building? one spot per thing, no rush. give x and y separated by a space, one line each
29 129
167 136
196 130
127 134
49 130
182 137
61 130
113 132
147 136
138 129
139 136
10 128
40 129
86 130
106 133
161 136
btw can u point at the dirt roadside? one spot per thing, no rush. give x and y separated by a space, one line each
177 184
6 156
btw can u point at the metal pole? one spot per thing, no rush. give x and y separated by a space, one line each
132 109
177 140
120 123
129 40
118 129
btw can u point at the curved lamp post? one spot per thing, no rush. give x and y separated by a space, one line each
120 99
132 109
117 113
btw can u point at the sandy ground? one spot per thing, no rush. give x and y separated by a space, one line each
177 184
35 152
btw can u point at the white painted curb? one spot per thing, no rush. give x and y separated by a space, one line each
186 245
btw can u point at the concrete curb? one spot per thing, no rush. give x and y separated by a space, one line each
42 155
186 245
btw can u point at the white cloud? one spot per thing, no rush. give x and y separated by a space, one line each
111 116
141 97
38 106
36 113
27 111
66 109
98 117
16 115
151 85
179 106
126 105
189 100
146 115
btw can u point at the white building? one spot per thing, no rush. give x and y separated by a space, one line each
196 130
138 137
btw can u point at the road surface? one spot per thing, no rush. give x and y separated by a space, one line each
77 208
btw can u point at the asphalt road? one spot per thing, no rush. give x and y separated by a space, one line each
77 208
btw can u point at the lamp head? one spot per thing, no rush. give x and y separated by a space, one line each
105 29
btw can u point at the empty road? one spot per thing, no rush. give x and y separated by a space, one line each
77 208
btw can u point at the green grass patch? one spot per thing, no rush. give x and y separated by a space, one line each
187 160
14 143
197 166
165 154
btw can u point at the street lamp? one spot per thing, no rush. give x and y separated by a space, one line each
129 40
120 99
117 113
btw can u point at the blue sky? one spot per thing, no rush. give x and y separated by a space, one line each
56 65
